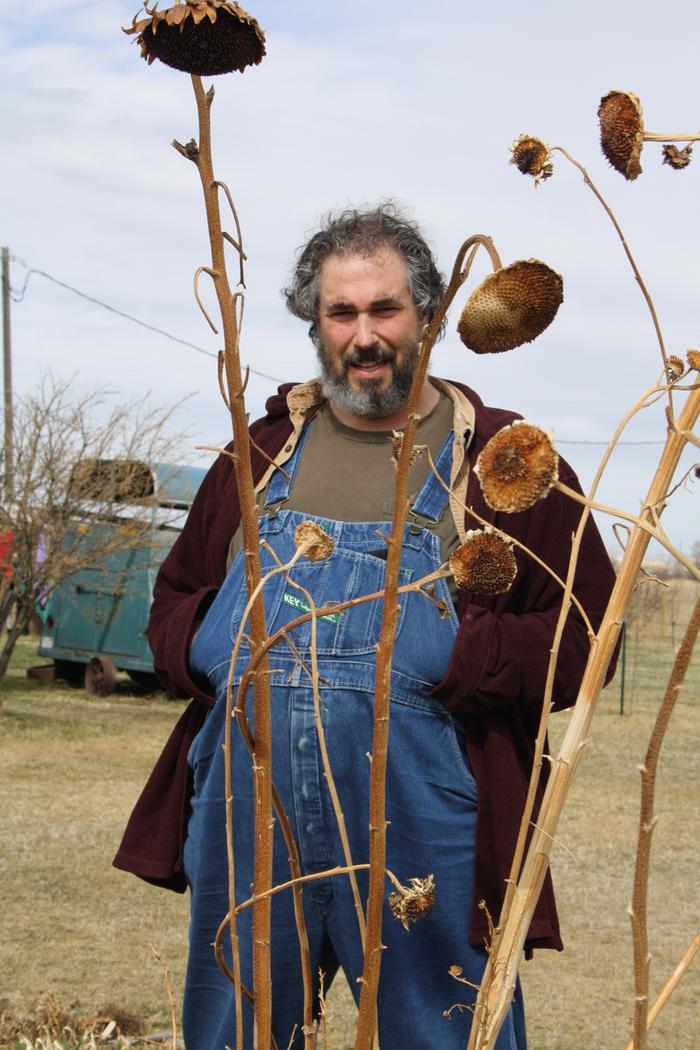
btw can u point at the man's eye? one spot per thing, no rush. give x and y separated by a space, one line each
387 311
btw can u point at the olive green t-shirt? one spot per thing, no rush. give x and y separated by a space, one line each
347 474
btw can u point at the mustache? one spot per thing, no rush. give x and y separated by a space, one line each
371 355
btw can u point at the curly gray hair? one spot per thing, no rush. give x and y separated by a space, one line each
364 232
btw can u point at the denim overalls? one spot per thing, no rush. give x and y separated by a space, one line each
431 793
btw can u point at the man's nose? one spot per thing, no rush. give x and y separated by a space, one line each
365 335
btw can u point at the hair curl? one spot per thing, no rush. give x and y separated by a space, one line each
364 232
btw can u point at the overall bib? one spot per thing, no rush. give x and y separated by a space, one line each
431 792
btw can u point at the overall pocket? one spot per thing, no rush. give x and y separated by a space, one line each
345 575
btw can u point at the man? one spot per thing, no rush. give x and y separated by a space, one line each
468 672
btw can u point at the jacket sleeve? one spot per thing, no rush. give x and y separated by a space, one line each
501 653
188 580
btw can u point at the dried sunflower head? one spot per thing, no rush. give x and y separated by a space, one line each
484 563
532 157
512 306
316 543
676 368
414 902
517 467
693 358
677 158
204 37
397 444
622 132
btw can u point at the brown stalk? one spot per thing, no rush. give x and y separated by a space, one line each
244 729
380 745
658 136
647 821
169 992
671 984
495 996
201 156
630 258
328 772
652 527
230 856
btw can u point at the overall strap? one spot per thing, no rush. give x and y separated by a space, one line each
431 501
282 480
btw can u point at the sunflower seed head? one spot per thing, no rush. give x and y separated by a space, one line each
622 132
532 157
675 368
510 307
517 467
413 902
315 542
693 358
484 563
677 158
203 37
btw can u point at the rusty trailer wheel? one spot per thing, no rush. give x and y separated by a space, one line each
100 676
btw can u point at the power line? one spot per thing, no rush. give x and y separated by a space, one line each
18 297
563 441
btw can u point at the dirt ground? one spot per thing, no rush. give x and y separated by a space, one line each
71 768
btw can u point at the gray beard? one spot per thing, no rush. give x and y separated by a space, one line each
370 401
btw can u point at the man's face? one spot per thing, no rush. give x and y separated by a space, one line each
368 331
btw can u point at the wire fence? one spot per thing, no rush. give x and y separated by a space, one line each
654 628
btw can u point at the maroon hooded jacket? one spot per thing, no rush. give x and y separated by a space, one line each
495 680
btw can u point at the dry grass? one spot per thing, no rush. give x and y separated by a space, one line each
74 927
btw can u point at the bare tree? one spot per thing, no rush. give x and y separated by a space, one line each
79 463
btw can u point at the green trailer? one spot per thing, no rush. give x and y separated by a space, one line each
96 618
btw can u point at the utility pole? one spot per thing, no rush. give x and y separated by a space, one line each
7 373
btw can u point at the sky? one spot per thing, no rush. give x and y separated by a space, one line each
355 103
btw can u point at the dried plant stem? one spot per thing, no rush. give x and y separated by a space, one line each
653 528
671 984
638 910
646 399
328 772
494 998
329 873
228 792
380 743
244 729
169 992
262 875
658 136
638 277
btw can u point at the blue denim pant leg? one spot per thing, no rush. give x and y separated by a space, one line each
209 1008
431 813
